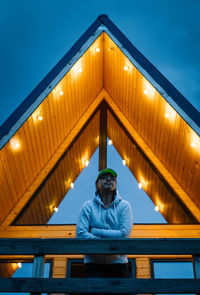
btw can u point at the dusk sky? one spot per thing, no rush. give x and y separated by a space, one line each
35 35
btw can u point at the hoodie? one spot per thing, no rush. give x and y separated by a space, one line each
97 222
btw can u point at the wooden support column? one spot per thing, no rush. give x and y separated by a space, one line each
59 269
103 136
143 268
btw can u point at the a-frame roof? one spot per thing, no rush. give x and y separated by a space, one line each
151 124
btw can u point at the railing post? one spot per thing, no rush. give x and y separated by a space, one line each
38 268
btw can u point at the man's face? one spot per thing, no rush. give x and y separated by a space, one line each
107 182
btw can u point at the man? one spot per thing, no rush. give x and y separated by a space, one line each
106 216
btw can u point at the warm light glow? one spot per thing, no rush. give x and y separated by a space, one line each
55 209
124 162
140 185
110 142
157 208
87 163
97 49
72 185
40 118
149 90
125 68
61 92
79 70
14 143
170 113
19 264
195 141
166 115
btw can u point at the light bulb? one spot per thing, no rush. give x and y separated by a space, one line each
80 70
124 162
87 163
140 185
145 91
110 142
125 68
40 118
166 115
14 144
55 209
97 49
61 92
72 185
19 264
157 208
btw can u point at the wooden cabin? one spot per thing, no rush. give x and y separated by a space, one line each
103 87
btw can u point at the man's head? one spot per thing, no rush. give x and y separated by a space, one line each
106 180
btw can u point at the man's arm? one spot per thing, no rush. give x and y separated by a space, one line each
83 225
125 225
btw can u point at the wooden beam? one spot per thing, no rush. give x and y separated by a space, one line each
49 166
103 246
161 286
68 231
183 196
103 137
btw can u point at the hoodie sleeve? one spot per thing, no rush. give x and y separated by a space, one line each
125 225
83 225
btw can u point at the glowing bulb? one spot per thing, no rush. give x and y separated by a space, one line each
124 162
40 118
72 185
110 142
80 70
97 49
140 185
145 92
61 92
157 208
14 144
166 115
193 144
87 163
55 209
125 68
19 264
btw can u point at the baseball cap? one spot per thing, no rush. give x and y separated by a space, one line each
105 171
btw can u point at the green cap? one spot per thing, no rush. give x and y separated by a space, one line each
107 170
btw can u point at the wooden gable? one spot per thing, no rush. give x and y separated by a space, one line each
152 126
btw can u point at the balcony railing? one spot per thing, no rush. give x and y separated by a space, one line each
41 247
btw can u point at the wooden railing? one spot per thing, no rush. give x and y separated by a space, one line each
41 247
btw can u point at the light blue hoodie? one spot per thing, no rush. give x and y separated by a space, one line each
97 222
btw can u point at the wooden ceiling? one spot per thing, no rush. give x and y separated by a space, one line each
28 159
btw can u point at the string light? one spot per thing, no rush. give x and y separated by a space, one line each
14 144
72 185
55 209
110 142
139 185
167 115
87 163
124 162
40 118
157 208
19 264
